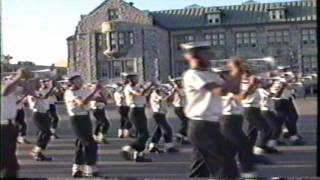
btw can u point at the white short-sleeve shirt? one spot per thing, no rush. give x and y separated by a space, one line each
252 100
230 106
158 103
8 106
200 103
70 96
131 99
38 104
119 98
179 99
266 101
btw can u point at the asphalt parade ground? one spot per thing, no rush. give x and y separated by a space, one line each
294 161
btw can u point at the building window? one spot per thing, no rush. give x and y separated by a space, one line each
309 64
309 36
278 36
216 39
113 14
116 68
117 39
277 14
246 39
131 38
129 66
213 18
181 39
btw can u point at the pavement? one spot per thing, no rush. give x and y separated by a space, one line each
294 161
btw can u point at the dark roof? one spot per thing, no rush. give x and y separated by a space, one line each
256 13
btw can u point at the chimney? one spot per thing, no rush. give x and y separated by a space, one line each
131 4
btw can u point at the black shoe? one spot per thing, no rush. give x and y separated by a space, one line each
156 150
286 135
271 150
281 143
142 158
41 157
77 174
171 150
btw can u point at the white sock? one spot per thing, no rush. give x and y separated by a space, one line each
126 132
76 167
169 145
151 145
294 138
272 143
257 150
285 130
36 149
88 170
119 132
100 136
126 148
53 131
249 174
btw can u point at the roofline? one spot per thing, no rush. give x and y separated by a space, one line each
290 2
228 25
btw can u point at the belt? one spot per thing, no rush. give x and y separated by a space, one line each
6 122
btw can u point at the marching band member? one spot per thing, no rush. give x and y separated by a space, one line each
123 109
135 97
98 105
38 103
158 103
212 154
268 112
258 129
9 132
178 103
52 108
285 108
231 121
77 102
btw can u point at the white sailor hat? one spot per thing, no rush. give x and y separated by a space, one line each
125 74
175 79
282 67
72 76
195 45
220 69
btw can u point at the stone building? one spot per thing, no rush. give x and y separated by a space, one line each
117 37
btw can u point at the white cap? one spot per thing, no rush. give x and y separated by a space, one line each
193 45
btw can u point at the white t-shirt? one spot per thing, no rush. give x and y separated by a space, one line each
52 98
38 104
8 106
276 86
266 101
200 103
131 99
251 100
70 96
119 98
158 103
96 104
230 106
179 98
19 94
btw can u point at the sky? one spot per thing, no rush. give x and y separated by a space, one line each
36 30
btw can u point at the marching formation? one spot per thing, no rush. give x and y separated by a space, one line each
227 114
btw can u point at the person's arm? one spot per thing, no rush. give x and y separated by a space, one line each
251 89
21 99
10 87
101 98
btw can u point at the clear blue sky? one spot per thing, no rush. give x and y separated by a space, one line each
36 30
